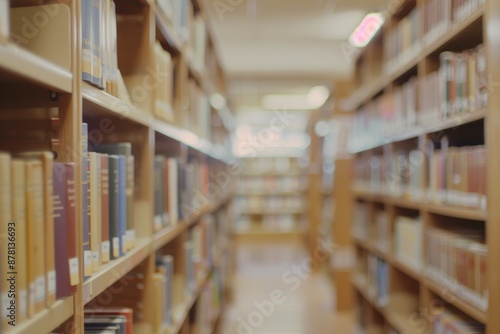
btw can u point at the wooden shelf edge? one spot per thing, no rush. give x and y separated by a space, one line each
401 322
456 301
163 237
457 212
408 270
48 319
113 271
281 193
29 66
113 105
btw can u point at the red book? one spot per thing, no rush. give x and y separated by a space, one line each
61 249
74 266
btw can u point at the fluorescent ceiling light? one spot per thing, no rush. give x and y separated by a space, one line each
365 31
217 101
313 100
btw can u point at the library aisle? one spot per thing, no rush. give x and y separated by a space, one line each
304 302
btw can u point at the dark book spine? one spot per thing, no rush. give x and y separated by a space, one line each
122 203
105 238
87 254
60 230
71 226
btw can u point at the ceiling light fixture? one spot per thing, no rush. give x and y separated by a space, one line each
366 30
217 101
314 99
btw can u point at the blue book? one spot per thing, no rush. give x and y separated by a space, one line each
122 202
96 43
87 40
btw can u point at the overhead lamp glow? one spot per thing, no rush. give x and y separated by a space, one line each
314 99
321 129
318 95
217 101
365 31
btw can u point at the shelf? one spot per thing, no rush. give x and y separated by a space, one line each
163 237
113 271
401 322
371 247
272 212
28 66
457 212
97 101
457 121
404 203
47 320
447 295
263 174
264 233
406 269
183 310
271 193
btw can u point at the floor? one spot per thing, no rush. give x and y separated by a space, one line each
275 293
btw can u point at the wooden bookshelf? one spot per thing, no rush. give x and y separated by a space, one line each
383 78
271 190
44 91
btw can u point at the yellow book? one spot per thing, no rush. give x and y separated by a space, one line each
159 293
47 159
5 219
35 236
19 216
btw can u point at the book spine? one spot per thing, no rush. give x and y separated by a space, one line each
105 237
73 261
87 253
96 42
122 203
87 56
47 161
35 226
6 218
131 238
19 217
95 215
114 235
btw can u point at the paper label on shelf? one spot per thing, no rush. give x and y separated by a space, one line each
51 282
87 263
40 289
95 259
74 278
105 251
23 303
116 247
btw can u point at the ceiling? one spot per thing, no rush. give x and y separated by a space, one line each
282 47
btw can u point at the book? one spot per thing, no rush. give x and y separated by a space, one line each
165 266
124 312
18 188
35 235
47 159
4 21
87 52
104 322
95 22
105 209
114 231
53 42
6 218
163 92
127 181
160 209
408 241
87 252
74 271
62 252
95 209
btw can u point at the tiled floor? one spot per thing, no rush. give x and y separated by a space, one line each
273 293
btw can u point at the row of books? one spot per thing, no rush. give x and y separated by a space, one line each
408 241
360 222
183 190
439 16
271 184
459 86
108 321
178 14
457 259
447 322
37 207
108 184
271 203
457 176
99 45
378 279
403 41
279 222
